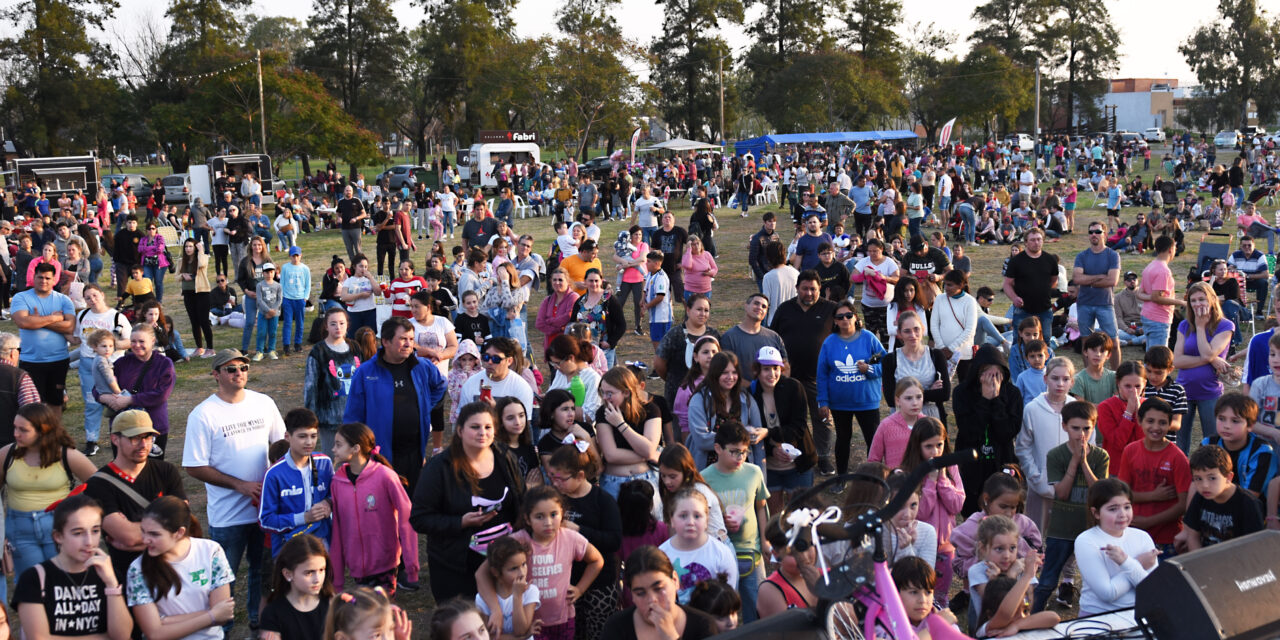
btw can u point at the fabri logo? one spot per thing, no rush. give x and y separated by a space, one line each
849 370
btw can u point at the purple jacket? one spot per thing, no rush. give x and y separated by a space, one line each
153 246
153 393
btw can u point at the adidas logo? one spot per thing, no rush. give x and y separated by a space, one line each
849 370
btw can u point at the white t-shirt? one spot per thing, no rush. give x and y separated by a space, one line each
704 563
507 604
644 213
356 284
1106 585
434 335
204 569
1026 180
234 439
512 385
88 321
448 202
887 268
591 383
593 232
567 247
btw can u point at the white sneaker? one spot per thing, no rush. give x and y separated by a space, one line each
271 354
257 357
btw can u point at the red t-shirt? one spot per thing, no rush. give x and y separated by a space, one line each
1145 470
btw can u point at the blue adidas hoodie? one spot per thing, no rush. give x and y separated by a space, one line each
288 492
840 385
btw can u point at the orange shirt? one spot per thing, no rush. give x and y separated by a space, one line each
577 268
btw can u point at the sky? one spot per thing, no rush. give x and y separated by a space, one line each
1149 36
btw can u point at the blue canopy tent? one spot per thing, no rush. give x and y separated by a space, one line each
759 145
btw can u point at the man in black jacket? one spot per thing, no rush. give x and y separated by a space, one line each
125 251
761 239
803 323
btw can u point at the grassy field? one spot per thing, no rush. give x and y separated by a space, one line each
283 379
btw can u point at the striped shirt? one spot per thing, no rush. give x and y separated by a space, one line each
1174 394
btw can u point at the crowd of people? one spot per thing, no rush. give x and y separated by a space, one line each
569 501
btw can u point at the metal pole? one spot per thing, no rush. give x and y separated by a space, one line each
262 109
720 76
1035 130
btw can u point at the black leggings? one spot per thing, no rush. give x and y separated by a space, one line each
220 258
197 305
634 290
843 421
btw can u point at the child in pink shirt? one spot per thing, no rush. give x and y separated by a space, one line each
941 497
890 442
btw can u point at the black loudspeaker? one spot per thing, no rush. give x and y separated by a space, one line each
1229 591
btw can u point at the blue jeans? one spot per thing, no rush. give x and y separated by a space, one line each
789 479
236 541
749 589
744 200
1046 321
613 484
95 269
157 278
913 226
267 333
689 294
611 357
31 534
250 319
1156 333
970 224
1232 311
1208 422
92 410
357 319
646 234
1056 553
987 333
1103 314
292 311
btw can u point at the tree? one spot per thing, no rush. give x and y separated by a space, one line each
829 90
200 27
56 75
278 33
357 48
870 31
788 27
989 85
1081 41
1234 58
1012 27
463 41
594 87
929 78
686 60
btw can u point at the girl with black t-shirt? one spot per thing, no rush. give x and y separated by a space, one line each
513 433
75 593
595 515
301 589
557 421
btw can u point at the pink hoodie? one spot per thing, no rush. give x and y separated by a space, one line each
940 501
375 508
965 540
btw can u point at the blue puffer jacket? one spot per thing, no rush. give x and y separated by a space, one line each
372 399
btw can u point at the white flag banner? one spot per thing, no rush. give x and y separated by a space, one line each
944 136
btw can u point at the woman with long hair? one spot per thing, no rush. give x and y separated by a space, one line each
601 311
723 396
1199 355
628 430
848 388
676 351
151 250
907 296
193 276
180 587
40 468
471 487
248 275
556 310
915 359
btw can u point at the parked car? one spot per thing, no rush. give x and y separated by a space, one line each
141 186
1254 130
123 160
1227 139
396 176
1021 141
177 187
1153 134
599 168
1127 137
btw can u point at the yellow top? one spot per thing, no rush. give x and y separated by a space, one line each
139 287
35 488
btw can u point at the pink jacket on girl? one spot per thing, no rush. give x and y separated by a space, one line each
965 540
940 501
371 525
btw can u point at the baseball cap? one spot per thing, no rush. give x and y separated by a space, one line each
227 355
131 423
770 356
267 266
295 250
917 242
1130 274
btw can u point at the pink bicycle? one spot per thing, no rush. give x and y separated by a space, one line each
857 597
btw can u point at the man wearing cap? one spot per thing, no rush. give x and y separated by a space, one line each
126 485
228 436
1253 264
1129 312
803 323
394 393
16 388
1096 272
806 255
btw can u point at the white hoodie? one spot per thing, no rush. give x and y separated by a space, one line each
1041 431
953 324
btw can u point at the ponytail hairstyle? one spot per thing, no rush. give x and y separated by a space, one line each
573 459
550 402
925 428
353 608
715 597
1005 481
296 551
357 434
635 505
173 515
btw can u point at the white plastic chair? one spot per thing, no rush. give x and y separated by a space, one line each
522 209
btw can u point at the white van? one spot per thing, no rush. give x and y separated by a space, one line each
1021 141
484 157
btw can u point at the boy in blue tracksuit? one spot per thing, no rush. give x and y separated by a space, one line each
295 491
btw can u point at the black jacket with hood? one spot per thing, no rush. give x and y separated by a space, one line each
989 426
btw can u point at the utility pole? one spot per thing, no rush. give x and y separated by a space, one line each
1035 129
262 109
720 76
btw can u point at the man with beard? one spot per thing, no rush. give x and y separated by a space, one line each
803 323
928 264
